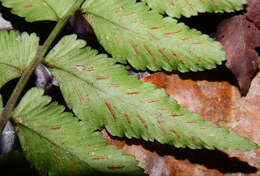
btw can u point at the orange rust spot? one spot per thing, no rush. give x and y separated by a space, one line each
27 5
186 38
164 54
189 4
203 127
171 3
90 69
156 27
115 166
50 65
129 15
197 43
55 127
161 121
172 33
165 108
179 57
80 67
192 121
117 10
81 98
132 93
109 107
163 129
175 133
138 22
135 47
100 157
102 77
197 62
149 50
142 120
114 85
151 101
176 115
127 117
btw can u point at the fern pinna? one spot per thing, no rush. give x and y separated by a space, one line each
101 93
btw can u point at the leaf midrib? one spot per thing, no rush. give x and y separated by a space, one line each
102 91
17 68
65 151
57 16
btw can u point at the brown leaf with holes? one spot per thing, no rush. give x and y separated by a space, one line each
253 12
240 39
212 96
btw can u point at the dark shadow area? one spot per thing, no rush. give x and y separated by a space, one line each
212 159
15 164
55 93
80 26
219 74
7 89
258 50
207 23
21 25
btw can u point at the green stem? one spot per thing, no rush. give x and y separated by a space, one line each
10 105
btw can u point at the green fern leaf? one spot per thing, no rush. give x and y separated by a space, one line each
39 10
103 94
17 51
187 8
58 144
131 32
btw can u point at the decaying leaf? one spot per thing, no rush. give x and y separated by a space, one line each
253 12
240 38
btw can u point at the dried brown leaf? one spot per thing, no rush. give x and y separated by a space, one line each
240 39
253 12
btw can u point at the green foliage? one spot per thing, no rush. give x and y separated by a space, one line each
58 144
17 51
40 10
187 8
103 94
131 32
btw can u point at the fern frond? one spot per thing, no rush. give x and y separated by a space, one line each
58 144
17 51
39 10
131 32
102 93
187 8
